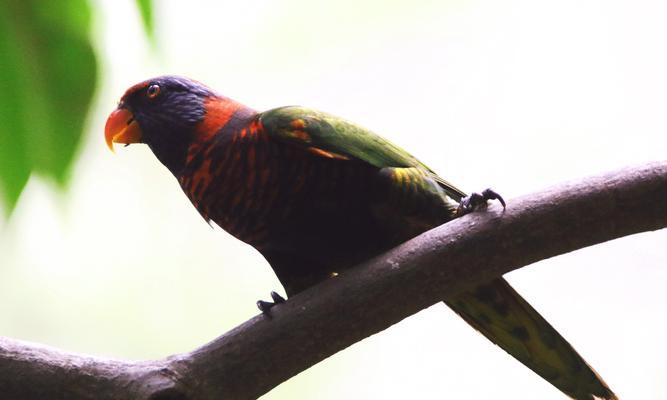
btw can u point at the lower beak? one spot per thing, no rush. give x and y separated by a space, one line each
121 127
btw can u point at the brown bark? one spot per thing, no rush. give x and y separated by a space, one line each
256 356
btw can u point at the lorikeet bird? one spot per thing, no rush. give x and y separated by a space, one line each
316 194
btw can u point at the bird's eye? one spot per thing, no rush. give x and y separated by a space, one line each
152 91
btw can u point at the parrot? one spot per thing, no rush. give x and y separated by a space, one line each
316 194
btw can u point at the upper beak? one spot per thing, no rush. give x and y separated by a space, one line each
121 127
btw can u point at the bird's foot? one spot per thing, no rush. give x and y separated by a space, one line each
266 306
475 200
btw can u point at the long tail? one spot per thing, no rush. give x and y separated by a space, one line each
505 318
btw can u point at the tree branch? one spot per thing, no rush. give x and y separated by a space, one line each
256 356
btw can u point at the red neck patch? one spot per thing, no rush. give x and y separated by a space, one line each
219 111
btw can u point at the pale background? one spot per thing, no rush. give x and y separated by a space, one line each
517 95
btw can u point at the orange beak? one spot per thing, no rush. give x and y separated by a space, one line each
121 127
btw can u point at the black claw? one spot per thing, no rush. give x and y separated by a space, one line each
475 200
277 299
266 306
490 194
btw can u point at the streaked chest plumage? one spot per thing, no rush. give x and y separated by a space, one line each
258 189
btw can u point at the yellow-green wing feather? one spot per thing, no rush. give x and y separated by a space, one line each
313 129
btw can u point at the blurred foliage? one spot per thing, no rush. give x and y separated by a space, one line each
48 73
146 10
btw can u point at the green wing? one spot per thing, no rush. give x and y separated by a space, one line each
328 135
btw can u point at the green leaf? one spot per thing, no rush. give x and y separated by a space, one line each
14 163
47 79
146 10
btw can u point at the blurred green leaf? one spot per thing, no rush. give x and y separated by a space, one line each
146 10
47 79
